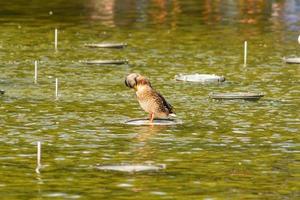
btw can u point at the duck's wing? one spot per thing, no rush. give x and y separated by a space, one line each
168 106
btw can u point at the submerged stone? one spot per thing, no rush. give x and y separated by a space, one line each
2 91
200 78
292 60
161 122
105 62
236 95
131 168
107 45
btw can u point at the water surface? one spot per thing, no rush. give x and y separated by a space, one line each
223 149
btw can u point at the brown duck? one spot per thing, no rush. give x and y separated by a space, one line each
149 99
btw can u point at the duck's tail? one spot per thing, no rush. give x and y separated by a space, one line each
172 114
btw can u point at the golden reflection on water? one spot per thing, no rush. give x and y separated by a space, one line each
112 13
102 11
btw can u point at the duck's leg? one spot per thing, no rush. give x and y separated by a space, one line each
151 117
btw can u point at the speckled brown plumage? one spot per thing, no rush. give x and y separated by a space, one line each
149 99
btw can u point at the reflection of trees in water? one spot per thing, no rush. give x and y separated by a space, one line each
112 12
170 12
103 11
159 13
251 12
127 12
291 14
164 11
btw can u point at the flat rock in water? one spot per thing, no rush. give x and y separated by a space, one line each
160 122
131 168
237 95
2 91
292 60
200 78
107 45
105 62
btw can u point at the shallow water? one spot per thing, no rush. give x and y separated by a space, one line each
223 149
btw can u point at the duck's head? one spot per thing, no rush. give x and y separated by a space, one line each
134 80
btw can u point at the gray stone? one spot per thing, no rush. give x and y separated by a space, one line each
200 78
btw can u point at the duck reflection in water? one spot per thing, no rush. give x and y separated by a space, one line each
147 132
150 100
143 148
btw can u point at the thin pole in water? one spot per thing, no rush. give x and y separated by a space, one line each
35 72
56 88
299 39
39 154
55 39
245 53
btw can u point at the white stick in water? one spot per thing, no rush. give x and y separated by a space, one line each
39 154
55 39
299 39
35 72
56 88
245 53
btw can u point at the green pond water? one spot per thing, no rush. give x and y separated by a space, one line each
223 149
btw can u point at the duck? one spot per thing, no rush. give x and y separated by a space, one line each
149 99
